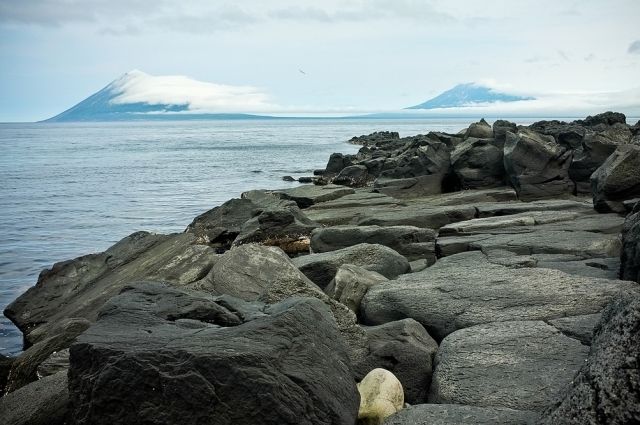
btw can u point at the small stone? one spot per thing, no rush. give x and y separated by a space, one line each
381 395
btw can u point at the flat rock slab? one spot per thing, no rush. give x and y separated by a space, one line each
412 242
578 327
467 289
457 414
310 194
521 365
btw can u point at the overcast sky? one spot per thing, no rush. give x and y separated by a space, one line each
354 55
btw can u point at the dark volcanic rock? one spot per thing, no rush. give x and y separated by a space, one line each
630 256
410 241
337 162
523 363
607 388
405 349
607 118
322 267
479 130
5 368
617 179
457 414
569 135
537 165
353 176
222 224
306 195
44 402
478 164
161 361
375 138
350 285
500 128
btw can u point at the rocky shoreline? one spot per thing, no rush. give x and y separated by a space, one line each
485 277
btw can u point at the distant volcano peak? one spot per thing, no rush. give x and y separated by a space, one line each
468 94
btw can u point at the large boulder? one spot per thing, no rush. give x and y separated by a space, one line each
617 179
537 165
337 162
478 163
162 355
520 365
44 402
607 388
568 135
458 414
500 128
69 295
605 118
321 268
479 130
221 225
467 289
630 256
410 241
405 348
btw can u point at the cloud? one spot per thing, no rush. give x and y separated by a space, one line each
139 87
634 48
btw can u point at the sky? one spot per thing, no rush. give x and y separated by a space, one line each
337 56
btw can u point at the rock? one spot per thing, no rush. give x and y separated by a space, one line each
56 362
607 118
617 179
221 225
350 285
254 272
480 130
353 176
594 151
418 265
500 128
467 289
381 396
478 164
568 135
337 162
630 256
404 348
305 179
44 402
5 368
523 363
161 361
68 296
288 179
577 327
321 268
457 414
607 389
306 195
410 241
375 138
536 165
605 268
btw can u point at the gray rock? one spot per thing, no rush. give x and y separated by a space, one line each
457 414
405 349
350 285
500 128
410 241
480 130
569 135
577 327
321 268
44 402
466 289
220 225
306 195
56 362
254 272
617 179
353 176
520 365
605 268
606 390
606 118
537 165
630 255
162 361
478 164
337 162
5 368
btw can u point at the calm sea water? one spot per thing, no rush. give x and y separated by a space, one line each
71 189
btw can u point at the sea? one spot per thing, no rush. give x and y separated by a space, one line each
69 189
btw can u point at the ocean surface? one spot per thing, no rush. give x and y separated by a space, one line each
71 189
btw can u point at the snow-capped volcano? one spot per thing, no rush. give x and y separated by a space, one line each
137 95
466 95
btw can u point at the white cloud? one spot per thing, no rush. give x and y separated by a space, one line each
137 86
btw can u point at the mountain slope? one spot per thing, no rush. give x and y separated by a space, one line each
469 94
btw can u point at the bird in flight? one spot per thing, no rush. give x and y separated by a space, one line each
301 72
